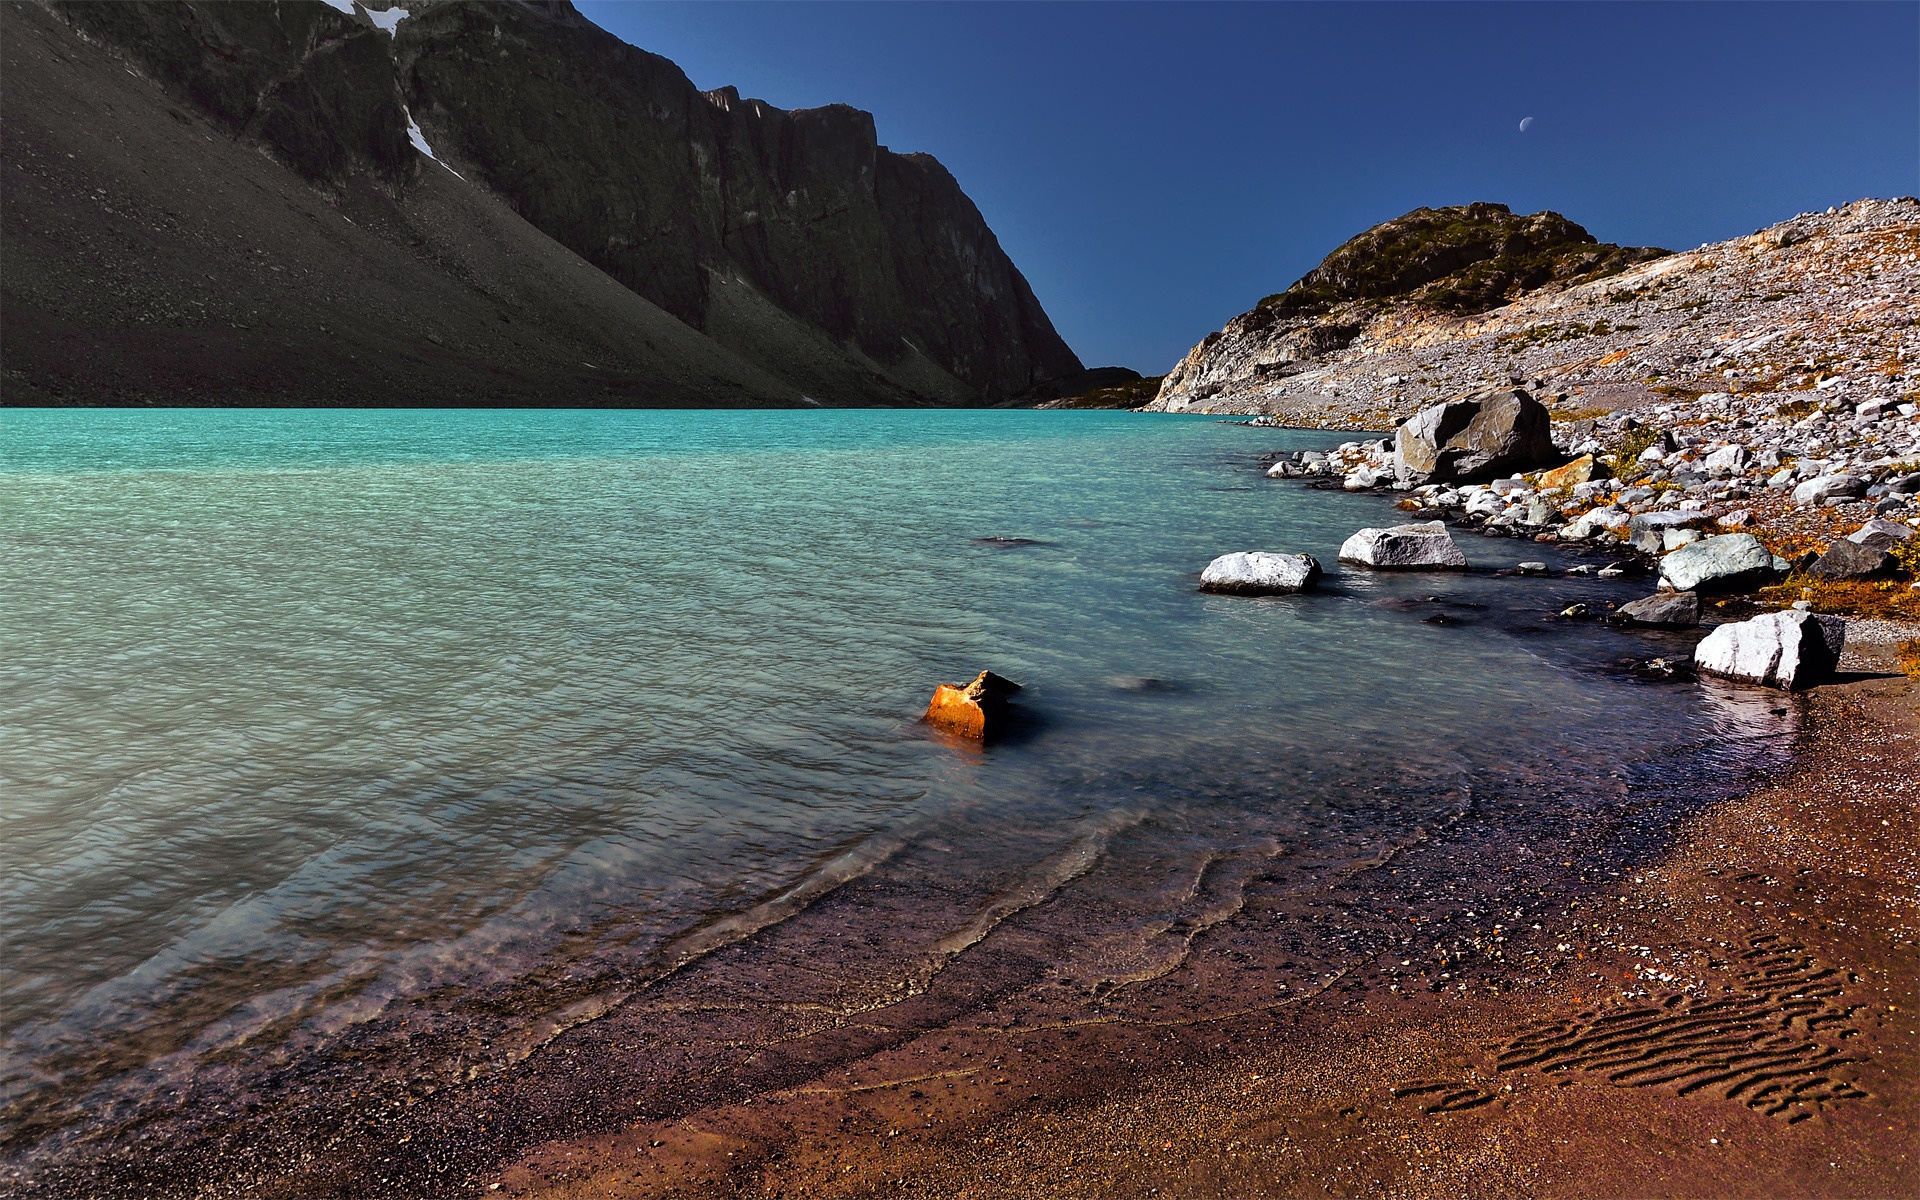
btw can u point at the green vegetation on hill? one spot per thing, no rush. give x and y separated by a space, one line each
1131 394
1461 259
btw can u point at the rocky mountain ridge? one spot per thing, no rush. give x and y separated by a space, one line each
1430 262
1821 300
215 203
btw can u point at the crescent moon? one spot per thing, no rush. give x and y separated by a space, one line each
1524 122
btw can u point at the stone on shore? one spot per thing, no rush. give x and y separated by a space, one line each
1880 534
1581 470
1672 518
1260 573
1853 560
1663 610
1825 487
1788 650
1729 459
1422 546
1732 562
1474 437
977 711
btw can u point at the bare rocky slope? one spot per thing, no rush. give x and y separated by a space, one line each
218 203
1820 307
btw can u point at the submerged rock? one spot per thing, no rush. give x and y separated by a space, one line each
1665 610
1788 650
1423 546
1260 573
1681 667
1732 562
1474 437
977 711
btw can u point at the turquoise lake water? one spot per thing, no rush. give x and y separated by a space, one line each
308 714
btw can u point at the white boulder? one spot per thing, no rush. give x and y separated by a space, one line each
1421 546
1786 650
1823 487
1260 573
1732 562
1732 459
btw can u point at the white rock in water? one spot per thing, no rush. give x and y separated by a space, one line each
1787 650
1422 546
1259 573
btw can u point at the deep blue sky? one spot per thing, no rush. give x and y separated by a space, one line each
1156 169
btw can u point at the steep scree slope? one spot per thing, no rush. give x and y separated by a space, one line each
155 255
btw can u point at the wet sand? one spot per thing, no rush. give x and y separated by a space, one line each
1733 1014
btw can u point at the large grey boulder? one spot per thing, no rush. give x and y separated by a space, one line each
1667 518
1787 650
1821 488
1421 546
1852 560
1259 573
1732 562
1474 437
1664 610
1881 534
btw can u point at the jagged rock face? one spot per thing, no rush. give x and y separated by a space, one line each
1445 262
615 154
302 78
793 238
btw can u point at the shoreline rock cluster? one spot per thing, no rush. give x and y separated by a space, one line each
1440 456
1767 384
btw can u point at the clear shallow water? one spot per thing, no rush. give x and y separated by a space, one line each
306 717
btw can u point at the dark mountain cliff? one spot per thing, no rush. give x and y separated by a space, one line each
799 257
615 154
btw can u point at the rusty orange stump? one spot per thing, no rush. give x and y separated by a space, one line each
976 711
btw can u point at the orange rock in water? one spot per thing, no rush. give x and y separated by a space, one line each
976 711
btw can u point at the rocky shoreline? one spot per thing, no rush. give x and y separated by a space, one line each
1765 385
1664 512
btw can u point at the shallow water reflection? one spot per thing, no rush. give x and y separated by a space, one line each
314 719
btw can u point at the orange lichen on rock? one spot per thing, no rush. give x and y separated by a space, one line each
976 711
1580 470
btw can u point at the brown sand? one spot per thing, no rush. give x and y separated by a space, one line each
1735 1016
